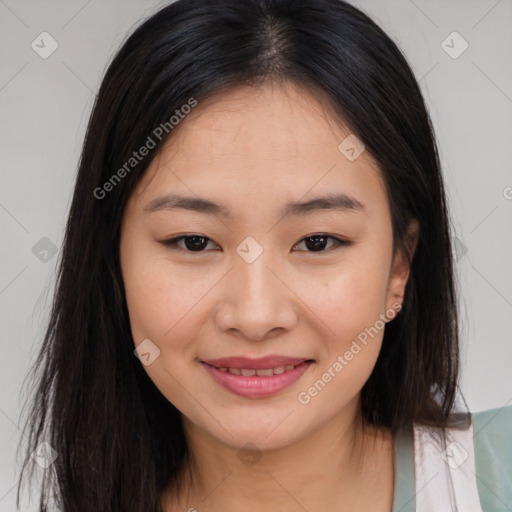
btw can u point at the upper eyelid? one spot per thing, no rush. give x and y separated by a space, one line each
340 241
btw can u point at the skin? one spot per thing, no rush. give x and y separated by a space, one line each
254 150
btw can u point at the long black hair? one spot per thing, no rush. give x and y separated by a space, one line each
118 442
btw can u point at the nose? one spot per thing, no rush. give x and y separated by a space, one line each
256 302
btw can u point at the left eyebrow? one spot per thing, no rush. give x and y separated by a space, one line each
340 202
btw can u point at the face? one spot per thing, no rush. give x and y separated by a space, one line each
307 287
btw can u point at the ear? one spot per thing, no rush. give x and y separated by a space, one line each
400 268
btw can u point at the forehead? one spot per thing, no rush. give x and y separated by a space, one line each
275 120
277 142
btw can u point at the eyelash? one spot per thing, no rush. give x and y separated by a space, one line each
172 243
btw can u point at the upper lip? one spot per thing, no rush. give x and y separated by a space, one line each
256 363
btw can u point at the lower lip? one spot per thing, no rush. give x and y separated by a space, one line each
255 386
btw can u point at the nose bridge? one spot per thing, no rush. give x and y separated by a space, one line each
257 300
254 279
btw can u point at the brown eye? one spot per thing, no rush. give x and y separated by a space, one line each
318 243
192 243
198 243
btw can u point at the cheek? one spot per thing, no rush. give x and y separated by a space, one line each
161 305
350 301
143 290
349 298
160 299
350 304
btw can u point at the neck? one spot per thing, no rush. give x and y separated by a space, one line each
332 465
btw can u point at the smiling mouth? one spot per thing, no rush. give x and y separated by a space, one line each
257 382
260 372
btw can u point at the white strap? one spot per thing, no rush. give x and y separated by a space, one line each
445 476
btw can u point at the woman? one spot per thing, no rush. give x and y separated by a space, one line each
256 304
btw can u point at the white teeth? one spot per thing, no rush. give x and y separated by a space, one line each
265 373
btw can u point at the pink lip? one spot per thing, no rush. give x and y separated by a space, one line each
254 364
256 386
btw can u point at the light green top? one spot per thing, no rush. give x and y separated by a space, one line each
492 440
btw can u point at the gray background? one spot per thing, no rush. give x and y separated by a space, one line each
45 104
